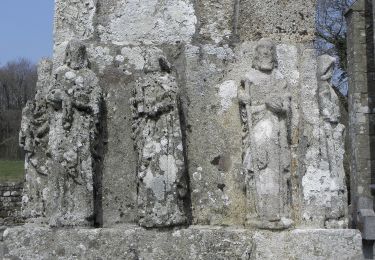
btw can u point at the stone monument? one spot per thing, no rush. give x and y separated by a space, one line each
162 182
186 130
75 97
265 101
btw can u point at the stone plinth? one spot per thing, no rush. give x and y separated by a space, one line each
196 242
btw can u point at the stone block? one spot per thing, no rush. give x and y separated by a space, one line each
367 223
119 189
196 242
151 21
216 21
277 19
14 193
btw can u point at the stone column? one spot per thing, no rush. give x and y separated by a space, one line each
361 96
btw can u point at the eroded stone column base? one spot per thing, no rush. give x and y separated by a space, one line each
197 242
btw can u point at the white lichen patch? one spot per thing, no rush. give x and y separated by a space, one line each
227 92
153 21
102 55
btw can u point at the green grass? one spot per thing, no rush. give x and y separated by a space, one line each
11 171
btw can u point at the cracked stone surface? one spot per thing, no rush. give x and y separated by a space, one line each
161 122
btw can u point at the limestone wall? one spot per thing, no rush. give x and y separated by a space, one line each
206 52
10 204
361 97
178 118
361 119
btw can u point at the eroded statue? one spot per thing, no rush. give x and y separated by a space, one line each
328 100
33 139
265 110
162 183
332 148
75 100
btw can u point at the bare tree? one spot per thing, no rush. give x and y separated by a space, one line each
17 85
331 36
18 81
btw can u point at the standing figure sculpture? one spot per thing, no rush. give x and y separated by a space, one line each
75 99
328 101
265 110
332 149
162 181
33 138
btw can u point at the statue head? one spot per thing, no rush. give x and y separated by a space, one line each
265 55
326 65
75 55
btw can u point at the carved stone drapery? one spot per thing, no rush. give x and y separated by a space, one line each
162 183
75 99
265 107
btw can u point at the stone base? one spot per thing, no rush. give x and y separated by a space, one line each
196 242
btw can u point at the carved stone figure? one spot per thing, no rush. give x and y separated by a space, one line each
75 100
328 100
265 107
162 183
33 139
331 149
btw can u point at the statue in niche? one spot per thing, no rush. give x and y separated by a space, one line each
162 182
33 138
328 100
265 108
332 146
76 100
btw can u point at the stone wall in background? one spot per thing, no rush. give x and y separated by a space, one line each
10 203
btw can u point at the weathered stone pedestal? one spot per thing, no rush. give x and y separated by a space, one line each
196 242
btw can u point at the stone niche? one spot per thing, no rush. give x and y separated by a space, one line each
184 130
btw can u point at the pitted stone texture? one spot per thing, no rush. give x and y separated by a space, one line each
75 99
292 21
130 242
34 140
153 21
324 191
266 115
309 244
74 19
216 20
119 178
162 175
213 136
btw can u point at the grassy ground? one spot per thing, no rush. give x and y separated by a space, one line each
11 171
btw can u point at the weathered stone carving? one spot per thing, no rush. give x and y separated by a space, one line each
33 139
210 44
76 102
328 101
265 108
331 148
162 183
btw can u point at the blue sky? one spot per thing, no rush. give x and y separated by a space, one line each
25 29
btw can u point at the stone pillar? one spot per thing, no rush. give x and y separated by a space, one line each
361 96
